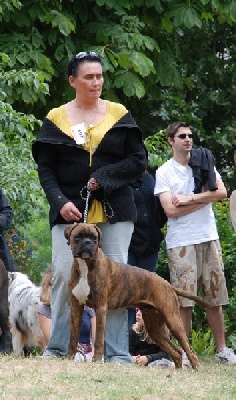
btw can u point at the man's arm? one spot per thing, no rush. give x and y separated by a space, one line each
203 197
173 211
180 205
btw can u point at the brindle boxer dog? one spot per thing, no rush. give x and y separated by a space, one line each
103 284
4 310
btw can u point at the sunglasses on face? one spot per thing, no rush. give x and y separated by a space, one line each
183 136
84 54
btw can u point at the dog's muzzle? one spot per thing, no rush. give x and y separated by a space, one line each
85 249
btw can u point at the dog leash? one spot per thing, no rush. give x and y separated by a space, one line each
106 205
86 198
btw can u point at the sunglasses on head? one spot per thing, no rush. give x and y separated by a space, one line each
184 135
84 54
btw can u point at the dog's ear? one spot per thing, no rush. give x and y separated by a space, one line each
99 235
67 232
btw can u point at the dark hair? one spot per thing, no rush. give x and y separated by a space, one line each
78 59
173 128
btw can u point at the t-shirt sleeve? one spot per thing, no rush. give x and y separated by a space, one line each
161 183
90 312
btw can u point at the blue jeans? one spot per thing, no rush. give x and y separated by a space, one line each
60 307
146 262
115 243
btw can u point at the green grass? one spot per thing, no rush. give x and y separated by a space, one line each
37 378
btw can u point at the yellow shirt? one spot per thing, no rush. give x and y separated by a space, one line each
95 134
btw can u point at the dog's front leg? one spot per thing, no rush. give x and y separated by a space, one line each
76 313
101 314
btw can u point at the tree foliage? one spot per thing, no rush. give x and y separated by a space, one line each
165 60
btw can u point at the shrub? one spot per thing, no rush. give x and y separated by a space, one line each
31 247
203 342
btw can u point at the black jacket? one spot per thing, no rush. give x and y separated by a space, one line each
202 164
6 214
147 235
63 168
137 346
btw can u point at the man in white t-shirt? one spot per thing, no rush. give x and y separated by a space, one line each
192 241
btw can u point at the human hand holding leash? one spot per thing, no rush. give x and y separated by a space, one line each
93 184
70 213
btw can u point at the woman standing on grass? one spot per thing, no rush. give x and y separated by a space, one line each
88 152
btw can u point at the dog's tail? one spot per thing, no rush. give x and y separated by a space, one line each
188 295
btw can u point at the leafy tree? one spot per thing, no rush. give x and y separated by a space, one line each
165 60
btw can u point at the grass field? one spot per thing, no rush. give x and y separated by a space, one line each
37 378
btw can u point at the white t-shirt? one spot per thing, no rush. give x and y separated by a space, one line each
194 228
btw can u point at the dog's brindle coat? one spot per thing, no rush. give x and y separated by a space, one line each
103 284
4 310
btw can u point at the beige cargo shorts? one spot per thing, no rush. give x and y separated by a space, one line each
199 268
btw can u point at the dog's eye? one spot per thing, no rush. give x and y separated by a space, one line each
94 238
78 237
